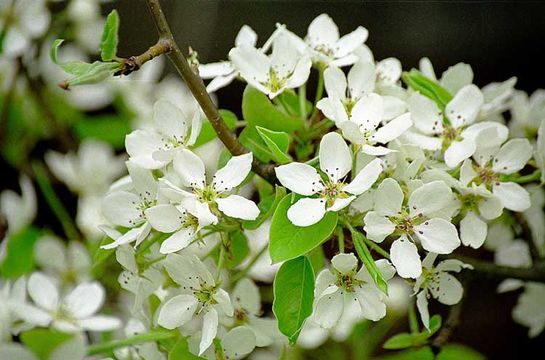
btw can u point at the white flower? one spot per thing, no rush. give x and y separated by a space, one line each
539 153
146 351
200 295
174 129
328 47
223 72
23 21
90 171
529 310
19 210
416 219
527 113
492 163
236 343
284 69
126 207
263 270
247 311
338 288
10 293
74 312
68 262
438 283
333 194
516 254
362 127
497 98
211 199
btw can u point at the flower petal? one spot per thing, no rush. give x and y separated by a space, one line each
430 198
377 227
43 291
449 291
335 82
438 236
405 258
456 77
246 296
361 79
100 323
169 120
209 329
233 173
252 64
141 144
307 211
344 263
165 217
372 307
365 178
300 178
177 311
512 156
85 300
238 207
422 305
393 129
120 208
238 342
425 114
388 197
190 169
463 109
335 156
322 31
368 111
329 309
473 230
178 241
349 42
458 151
512 196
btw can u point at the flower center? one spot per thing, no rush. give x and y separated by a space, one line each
275 82
207 194
205 294
449 135
348 281
333 191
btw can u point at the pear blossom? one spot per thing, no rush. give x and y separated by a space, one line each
11 293
539 153
147 351
263 269
127 207
535 217
362 127
223 73
284 69
334 194
70 313
236 343
497 97
418 218
529 310
200 295
68 262
516 254
492 163
337 288
458 138
19 210
174 129
207 200
527 113
437 282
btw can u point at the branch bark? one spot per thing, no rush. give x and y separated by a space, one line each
488 269
197 88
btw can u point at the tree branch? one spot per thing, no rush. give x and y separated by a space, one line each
488 269
197 88
134 63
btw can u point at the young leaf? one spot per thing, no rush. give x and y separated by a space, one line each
278 143
429 88
181 351
288 241
19 258
97 72
399 341
293 296
108 44
367 259
76 68
257 110
42 342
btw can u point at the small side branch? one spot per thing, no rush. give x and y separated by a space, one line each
485 269
197 88
134 63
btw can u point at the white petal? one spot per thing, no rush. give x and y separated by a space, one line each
467 173
300 178
333 109
425 114
169 120
340 203
178 241
458 151
187 270
456 77
31 314
422 305
463 109
350 42
238 207
335 82
220 82
252 64
190 169
512 156
329 309
388 197
368 111
429 198
209 329
141 144
490 207
121 208
472 230
344 263
224 302
351 132
43 291
233 173
365 178
371 304
212 70
449 291
377 227
85 300
246 36
512 196
335 156
422 141
438 236
376 150
238 342
361 78
142 181
177 311
405 258
164 218
393 129
388 71
426 67
393 107
306 212
246 296
100 323
322 31
300 74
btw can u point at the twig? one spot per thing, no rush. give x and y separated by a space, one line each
490 270
134 63
197 88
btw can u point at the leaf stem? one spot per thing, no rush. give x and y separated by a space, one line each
302 100
236 277
133 340
319 93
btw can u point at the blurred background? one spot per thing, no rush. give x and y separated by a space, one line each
498 39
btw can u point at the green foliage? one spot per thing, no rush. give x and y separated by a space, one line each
448 352
293 296
267 205
42 342
365 256
405 340
277 142
19 258
207 132
181 351
108 44
291 101
427 87
108 128
288 241
236 249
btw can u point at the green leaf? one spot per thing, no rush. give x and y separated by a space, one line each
97 72
258 110
108 44
293 296
76 68
288 241
108 128
367 259
42 342
435 324
19 258
459 352
236 249
250 138
291 100
405 340
277 142
399 341
317 259
207 132
181 351
427 87
266 206
101 255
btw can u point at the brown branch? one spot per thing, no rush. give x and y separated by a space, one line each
135 62
197 88
486 269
